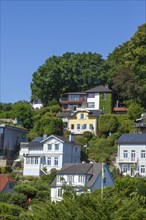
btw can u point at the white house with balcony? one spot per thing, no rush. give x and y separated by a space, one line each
131 158
80 176
50 152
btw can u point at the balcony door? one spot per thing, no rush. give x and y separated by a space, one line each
133 155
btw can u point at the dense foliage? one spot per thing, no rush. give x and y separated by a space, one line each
127 68
126 200
74 72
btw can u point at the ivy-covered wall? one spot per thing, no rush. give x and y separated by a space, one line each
105 103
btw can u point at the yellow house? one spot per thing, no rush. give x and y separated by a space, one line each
84 120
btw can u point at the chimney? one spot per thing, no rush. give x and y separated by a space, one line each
44 136
71 137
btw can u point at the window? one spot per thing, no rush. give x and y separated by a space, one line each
49 146
142 168
81 179
104 180
132 155
91 95
56 146
125 168
74 97
125 154
76 149
27 160
78 126
104 96
84 126
70 178
36 160
56 161
82 116
72 126
91 127
59 192
142 153
49 161
91 104
60 178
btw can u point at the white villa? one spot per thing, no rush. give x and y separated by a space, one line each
50 152
79 176
131 158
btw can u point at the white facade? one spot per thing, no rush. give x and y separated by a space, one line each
79 177
53 153
131 159
93 101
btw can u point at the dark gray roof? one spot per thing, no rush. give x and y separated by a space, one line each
77 168
132 139
38 139
74 93
96 112
98 89
93 169
34 144
66 140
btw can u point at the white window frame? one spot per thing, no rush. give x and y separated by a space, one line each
143 153
125 168
81 179
49 147
56 146
142 168
55 161
82 116
91 104
49 161
125 153
60 192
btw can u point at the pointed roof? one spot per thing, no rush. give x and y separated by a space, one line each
4 179
98 89
93 169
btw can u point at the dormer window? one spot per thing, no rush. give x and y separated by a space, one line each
82 116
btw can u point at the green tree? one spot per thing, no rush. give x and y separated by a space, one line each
108 123
76 72
134 111
22 111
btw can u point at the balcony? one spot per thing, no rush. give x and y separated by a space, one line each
140 125
120 109
126 160
71 101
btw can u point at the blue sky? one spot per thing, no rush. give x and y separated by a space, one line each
32 31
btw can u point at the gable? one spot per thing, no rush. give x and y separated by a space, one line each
4 180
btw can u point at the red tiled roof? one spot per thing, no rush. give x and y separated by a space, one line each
4 179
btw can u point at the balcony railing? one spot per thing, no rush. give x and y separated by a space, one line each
126 160
140 125
71 101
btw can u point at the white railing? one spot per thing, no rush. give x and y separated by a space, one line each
126 160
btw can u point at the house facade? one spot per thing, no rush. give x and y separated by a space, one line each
84 120
80 176
50 152
131 158
10 138
98 98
